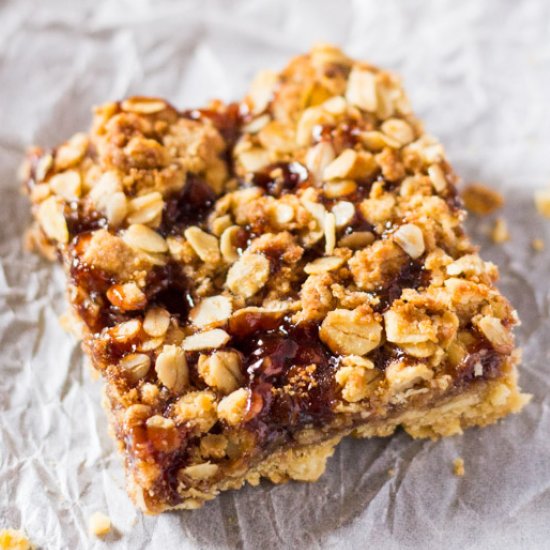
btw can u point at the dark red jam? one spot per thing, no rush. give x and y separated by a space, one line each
412 275
483 362
79 221
189 206
291 378
281 178
167 286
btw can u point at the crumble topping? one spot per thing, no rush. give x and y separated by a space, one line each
249 273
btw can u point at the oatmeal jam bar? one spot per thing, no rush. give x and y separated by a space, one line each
256 281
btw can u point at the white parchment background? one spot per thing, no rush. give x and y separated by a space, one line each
478 73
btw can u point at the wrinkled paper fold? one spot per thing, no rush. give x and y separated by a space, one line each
478 74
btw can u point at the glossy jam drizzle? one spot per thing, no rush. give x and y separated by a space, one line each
281 178
189 206
290 376
412 275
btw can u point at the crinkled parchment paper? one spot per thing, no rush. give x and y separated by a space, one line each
478 74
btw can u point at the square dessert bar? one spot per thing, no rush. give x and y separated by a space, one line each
256 281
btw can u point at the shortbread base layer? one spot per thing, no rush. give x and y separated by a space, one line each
484 403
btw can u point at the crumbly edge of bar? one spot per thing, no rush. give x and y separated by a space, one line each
480 405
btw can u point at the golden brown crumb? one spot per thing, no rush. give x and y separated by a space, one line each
13 539
542 202
99 524
481 200
537 244
458 467
500 233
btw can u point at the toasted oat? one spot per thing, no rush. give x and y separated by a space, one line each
401 377
172 370
212 311
248 275
232 408
350 164
318 158
343 213
361 90
99 524
141 237
339 189
221 370
126 331
205 245
198 409
321 265
136 365
116 208
261 90
127 296
143 105
66 185
350 332
210 339
282 214
398 130
201 471
256 124
330 232
219 225
410 238
480 199
437 176
51 219
356 240
356 378
156 321
70 153
227 244
146 209
496 333
254 159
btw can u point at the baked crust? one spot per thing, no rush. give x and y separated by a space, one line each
257 281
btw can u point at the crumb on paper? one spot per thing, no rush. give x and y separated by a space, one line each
458 467
480 199
99 524
537 244
391 472
13 539
542 202
500 233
